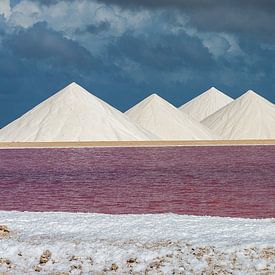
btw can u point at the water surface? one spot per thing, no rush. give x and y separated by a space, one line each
236 181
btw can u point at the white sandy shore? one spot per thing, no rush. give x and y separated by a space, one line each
86 144
136 244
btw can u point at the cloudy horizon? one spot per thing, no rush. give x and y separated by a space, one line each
122 51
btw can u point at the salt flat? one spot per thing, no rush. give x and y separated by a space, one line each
136 243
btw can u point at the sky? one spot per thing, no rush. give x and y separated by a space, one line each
124 50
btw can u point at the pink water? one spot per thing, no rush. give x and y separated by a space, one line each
232 181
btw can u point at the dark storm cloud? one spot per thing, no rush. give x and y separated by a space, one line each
95 28
49 2
189 5
165 52
256 17
41 43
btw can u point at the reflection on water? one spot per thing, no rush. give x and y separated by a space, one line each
232 181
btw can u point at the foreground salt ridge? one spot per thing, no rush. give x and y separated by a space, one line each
248 117
73 114
206 104
164 120
155 244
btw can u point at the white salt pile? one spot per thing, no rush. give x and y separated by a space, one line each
206 104
73 114
164 120
248 117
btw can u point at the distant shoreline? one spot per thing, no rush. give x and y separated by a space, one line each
83 144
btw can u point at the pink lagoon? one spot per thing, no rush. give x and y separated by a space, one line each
231 181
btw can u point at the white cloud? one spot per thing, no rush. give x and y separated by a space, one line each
221 44
5 8
68 17
25 14
218 44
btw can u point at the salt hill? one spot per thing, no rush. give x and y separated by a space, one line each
164 120
248 117
206 104
73 114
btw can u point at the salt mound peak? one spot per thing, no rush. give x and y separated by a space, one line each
73 114
251 95
206 104
154 96
154 100
248 117
164 120
74 87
